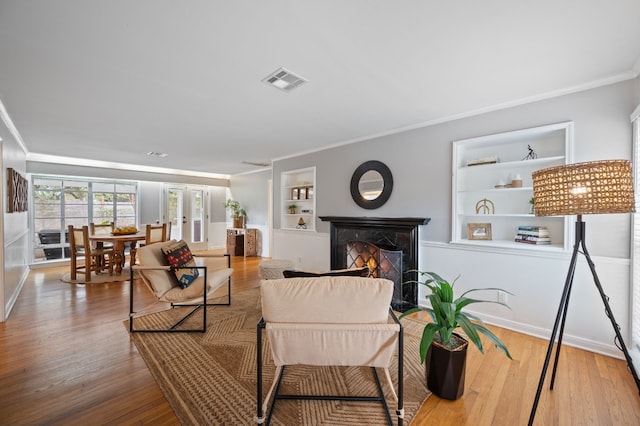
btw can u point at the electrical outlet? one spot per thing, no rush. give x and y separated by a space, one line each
502 297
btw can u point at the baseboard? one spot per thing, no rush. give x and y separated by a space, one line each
545 334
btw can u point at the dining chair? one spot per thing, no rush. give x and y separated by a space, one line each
156 233
101 229
95 259
168 231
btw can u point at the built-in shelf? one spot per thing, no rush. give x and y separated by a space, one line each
477 199
299 189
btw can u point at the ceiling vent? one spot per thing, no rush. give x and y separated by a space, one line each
284 80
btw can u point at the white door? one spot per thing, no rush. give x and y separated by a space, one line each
186 210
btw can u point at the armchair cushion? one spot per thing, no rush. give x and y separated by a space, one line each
178 294
178 256
337 300
329 320
160 281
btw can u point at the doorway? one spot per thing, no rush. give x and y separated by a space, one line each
186 208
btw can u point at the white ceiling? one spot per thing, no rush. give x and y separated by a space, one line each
113 80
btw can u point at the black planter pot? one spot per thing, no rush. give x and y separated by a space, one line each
445 370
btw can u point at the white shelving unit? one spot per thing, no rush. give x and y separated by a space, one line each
299 188
509 207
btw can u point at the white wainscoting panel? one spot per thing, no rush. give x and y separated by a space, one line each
537 283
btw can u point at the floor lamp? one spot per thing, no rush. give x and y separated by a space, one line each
598 187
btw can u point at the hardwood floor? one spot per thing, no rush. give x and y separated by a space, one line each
66 359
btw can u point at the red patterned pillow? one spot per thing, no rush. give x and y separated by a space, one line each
178 256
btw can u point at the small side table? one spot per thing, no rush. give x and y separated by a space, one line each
242 241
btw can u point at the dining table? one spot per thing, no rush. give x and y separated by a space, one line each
119 241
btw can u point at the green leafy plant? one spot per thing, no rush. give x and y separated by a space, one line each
234 207
447 315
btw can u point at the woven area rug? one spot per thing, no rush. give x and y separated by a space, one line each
101 278
210 378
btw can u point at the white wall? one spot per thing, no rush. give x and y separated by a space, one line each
252 191
150 201
306 250
536 282
15 230
420 161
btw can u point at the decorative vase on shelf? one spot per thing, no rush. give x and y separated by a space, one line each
532 207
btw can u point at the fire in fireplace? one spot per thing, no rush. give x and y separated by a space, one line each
382 262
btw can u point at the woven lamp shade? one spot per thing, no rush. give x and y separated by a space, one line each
595 187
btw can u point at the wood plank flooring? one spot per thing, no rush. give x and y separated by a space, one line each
66 359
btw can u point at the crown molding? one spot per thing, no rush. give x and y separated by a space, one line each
12 128
613 79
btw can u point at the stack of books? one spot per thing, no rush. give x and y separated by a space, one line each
533 235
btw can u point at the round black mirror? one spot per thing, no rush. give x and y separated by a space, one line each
371 184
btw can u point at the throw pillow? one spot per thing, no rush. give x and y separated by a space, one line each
355 272
179 256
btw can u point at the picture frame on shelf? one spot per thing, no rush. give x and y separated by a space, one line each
294 193
479 231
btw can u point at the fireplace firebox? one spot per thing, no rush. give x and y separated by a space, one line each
382 262
395 236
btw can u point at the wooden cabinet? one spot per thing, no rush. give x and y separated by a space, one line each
242 241
250 242
235 243
298 199
492 186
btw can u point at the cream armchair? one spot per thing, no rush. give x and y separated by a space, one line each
155 272
329 321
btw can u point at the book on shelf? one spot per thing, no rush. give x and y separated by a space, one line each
531 239
480 161
543 233
532 228
536 231
537 243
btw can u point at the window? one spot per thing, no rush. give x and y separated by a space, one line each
60 201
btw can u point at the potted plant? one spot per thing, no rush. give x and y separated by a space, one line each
237 213
444 350
292 208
